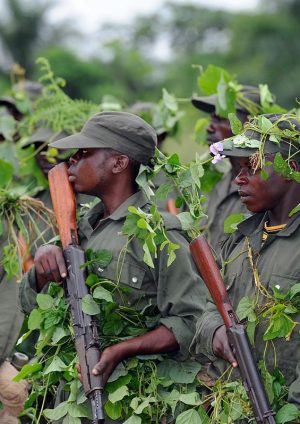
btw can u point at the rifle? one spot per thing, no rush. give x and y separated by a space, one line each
85 327
236 333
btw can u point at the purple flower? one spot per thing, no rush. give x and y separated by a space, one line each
217 158
215 148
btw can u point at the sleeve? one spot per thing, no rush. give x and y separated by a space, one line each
294 389
181 294
28 292
206 326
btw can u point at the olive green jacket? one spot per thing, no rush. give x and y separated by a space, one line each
278 263
223 201
177 290
11 317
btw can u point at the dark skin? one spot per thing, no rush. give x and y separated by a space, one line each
278 197
108 176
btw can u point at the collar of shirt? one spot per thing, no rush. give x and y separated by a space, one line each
87 223
253 228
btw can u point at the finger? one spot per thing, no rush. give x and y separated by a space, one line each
99 368
52 271
61 264
229 356
42 271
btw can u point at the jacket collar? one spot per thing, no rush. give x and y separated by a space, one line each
88 223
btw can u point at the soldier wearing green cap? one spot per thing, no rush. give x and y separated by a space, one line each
111 146
262 258
224 200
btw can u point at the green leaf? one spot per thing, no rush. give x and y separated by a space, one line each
55 414
6 172
56 365
71 420
186 220
147 256
144 405
89 306
264 175
114 326
34 320
163 191
294 210
45 301
197 172
59 333
143 224
119 394
134 419
121 381
104 257
280 326
77 411
190 398
179 372
7 127
169 101
203 415
113 410
118 372
287 413
232 221
294 290
200 130
27 371
266 97
189 417
130 225
103 294
209 79
91 280
246 309
264 124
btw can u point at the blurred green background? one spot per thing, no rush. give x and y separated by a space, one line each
259 46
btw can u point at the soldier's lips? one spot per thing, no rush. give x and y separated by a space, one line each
243 196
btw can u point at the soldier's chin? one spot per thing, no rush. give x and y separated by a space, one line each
255 208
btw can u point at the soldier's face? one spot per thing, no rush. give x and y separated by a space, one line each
90 171
257 194
218 129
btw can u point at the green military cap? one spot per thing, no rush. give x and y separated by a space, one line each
122 131
248 92
43 135
269 133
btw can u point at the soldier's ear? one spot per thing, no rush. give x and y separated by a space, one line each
121 163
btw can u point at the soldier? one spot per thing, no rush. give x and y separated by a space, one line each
262 255
224 199
111 146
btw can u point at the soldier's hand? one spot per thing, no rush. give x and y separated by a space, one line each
49 265
221 346
109 359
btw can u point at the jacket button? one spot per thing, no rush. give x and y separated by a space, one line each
100 269
134 279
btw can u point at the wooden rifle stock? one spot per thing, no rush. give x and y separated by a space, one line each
27 259
85 327
210 273
236 333
64 204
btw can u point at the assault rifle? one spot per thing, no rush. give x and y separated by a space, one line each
85 327
236 333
